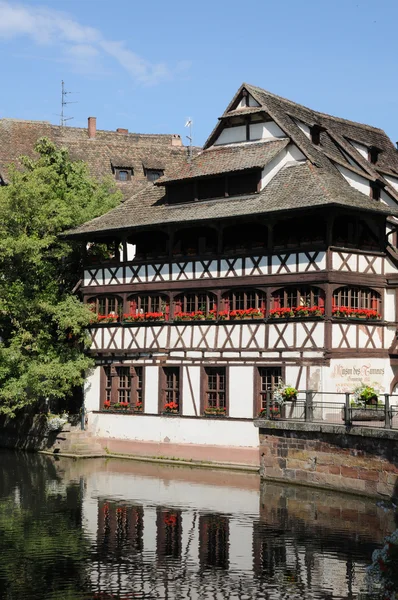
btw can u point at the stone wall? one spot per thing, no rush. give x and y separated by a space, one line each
360 460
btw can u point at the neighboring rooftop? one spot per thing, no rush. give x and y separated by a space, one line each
103 151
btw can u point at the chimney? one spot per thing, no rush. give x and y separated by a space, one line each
176 140
92 127
119 130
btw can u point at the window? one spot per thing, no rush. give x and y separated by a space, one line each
350 232
315 132
245 237
154 174
357 298
195 241
195 301
123 384
150 245
170 392
215 388
106 305
123 174
292 297
267 380
214 541
243 183
148 303
292 233
373 154
243 299
375 190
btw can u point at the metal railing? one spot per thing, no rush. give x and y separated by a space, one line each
337 408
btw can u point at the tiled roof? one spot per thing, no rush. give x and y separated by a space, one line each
225 159
300 186
129 150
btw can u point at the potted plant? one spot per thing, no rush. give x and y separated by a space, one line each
274 411
170 408
107 404
365 405
281 313
285 393
138 407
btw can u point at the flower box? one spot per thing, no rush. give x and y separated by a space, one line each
366 414
215 412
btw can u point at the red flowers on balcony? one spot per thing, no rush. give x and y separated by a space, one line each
141 317
299 311
111 318
248 313
355 313
171 407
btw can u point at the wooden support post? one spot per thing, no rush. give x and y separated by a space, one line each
267 404
347 408
387 411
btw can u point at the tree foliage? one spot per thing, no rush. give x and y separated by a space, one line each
42 324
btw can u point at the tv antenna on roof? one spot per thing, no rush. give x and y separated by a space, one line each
189 137
63 118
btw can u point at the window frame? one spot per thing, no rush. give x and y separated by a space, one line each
149 173
111 392
289 291
204 388
152 298
126 170
258 391
96 300
185 299
164 389
260 299
357 292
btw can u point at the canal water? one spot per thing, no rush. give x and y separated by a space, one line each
118 529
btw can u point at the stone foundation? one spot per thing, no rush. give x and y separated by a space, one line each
360 460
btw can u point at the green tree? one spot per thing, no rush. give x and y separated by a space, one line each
42 324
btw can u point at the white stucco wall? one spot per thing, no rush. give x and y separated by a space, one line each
387 199
289 155
389 305
241 392
356 181
151 390
231 135
175 430
92 390
304 128
191 390
393 181
361 148
266 130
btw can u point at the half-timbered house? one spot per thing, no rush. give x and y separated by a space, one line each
270 256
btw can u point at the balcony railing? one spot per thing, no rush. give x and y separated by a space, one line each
334 408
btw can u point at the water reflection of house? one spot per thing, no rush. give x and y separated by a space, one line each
283 215
166 529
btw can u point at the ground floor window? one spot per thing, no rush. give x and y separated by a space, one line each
170 390
122 387
267 379
214 395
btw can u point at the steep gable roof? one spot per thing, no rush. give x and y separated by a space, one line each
314 182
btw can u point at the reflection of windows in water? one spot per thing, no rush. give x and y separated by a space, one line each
120 526
169 530
269 552
214 541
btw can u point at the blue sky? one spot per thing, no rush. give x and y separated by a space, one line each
146 66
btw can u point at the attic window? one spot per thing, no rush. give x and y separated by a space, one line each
123 174
375 190
315 132
233 184
373 154
153 174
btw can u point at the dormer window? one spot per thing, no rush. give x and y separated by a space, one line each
315 132
124 175
373 155
154 174
375 190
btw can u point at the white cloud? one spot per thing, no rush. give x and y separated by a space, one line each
77 42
